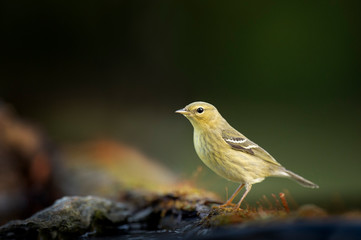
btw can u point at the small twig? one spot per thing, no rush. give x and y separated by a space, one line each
278 204
284 202
291 200
226 192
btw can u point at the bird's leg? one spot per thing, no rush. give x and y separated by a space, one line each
229 201
248 188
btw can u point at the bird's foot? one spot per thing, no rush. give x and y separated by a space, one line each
237 208
227 204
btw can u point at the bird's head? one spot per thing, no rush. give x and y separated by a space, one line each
201 114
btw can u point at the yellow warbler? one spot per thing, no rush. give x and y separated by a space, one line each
229 153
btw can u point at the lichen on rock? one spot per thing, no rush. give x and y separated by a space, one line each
68 216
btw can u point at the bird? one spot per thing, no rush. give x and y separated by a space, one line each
230 154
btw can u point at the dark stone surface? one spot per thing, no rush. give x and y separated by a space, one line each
330 228
171 217
67 218
95 217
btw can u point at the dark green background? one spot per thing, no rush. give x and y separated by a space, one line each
285 73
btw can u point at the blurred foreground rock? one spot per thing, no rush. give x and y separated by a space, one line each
183 216
72 217
68 217
316 229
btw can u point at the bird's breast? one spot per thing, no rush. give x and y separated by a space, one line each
209 150
231 164
203 146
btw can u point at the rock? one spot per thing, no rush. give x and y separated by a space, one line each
332 228
68 217
72 217
167 216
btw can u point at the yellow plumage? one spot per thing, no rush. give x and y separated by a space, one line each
229 153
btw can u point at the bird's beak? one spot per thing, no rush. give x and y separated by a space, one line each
182 111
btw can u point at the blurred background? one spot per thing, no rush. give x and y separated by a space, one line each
285 74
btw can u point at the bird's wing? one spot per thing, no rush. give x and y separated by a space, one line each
240 143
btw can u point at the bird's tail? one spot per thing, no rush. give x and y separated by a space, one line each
302 181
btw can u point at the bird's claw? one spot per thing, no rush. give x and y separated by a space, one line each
227 205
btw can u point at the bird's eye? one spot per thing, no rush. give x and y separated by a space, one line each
200 110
